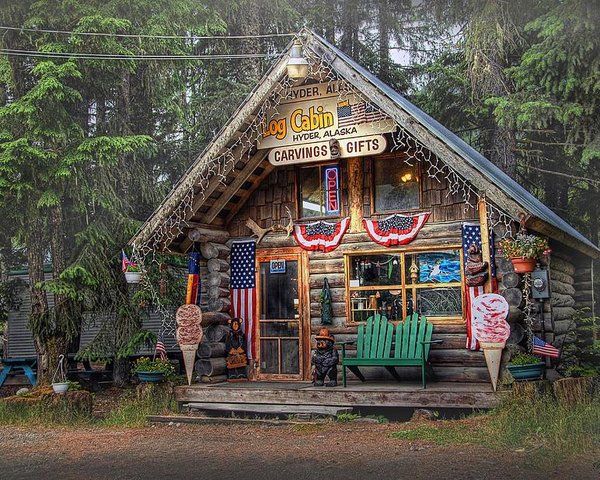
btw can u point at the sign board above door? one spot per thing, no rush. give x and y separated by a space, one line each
319 113
319 151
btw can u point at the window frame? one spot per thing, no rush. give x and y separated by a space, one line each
298 188
396 158
405 287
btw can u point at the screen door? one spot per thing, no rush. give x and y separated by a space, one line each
279 319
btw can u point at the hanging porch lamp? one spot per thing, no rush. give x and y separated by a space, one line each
297 66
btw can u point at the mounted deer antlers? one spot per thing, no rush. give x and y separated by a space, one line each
262 232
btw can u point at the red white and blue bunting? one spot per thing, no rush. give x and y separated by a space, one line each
321 236
396 229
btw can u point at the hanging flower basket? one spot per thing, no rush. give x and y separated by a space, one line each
60 387
523 265
133 277
524 251
59 379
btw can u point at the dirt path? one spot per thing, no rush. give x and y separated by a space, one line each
332 451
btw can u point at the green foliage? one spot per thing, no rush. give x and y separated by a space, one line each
548 431
35 408
145 364
524 246
347 417
136 342
133 411
524 359
581 357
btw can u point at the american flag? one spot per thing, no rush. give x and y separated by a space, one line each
125 262
351 114
544 349
243 287
373 113
471 234
160 349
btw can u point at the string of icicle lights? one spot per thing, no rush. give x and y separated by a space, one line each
198 177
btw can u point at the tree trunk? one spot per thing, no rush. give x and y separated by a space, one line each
121 372
39 301
62 316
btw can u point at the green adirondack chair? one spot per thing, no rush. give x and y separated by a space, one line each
412 341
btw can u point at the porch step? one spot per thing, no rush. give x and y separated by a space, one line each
198 419
268 409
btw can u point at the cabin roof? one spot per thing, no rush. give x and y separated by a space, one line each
477 169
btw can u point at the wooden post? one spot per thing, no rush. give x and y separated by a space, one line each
485 241
355 193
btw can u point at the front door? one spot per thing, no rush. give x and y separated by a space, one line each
281 312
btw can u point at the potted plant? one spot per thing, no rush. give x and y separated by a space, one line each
153 371
133 274
526 367
60 384
524 250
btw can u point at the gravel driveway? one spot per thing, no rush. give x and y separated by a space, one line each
253 452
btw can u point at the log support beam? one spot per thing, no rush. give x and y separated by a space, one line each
355 193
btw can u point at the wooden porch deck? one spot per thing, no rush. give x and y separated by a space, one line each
370 394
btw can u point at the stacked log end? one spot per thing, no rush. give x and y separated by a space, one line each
210 366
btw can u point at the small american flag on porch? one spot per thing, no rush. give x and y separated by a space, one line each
544 349
243 287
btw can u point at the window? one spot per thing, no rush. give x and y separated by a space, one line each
396 185
319 190
398 284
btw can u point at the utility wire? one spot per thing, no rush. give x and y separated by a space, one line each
109 56
143 35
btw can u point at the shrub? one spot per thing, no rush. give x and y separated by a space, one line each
524 359
145 364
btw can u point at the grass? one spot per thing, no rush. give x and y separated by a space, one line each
543 427
129 411
132 412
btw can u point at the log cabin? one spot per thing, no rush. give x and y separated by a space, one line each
339 153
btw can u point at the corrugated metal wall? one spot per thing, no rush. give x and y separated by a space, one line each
20 340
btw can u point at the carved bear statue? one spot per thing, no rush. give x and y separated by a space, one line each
325 360
475 267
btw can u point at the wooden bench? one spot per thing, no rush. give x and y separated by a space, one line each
412 340
14 365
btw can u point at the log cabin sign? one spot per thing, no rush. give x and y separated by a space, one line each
313 115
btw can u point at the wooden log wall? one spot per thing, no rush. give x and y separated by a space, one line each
266 206
451 361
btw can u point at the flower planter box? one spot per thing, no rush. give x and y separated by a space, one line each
151 377
532 371
523 265
133 277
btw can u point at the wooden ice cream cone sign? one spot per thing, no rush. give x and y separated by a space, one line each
189 335
490 311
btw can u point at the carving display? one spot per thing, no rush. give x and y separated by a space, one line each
475 268
325 360
235 346
262 232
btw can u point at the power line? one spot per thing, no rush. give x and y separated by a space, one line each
143 35
109 56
